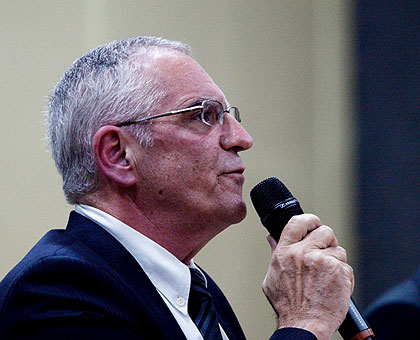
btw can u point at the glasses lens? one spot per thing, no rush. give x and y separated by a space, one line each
233 111
211 113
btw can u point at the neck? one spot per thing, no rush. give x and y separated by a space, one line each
181 237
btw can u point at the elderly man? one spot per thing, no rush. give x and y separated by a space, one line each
148 149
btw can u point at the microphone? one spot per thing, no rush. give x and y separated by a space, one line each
275 206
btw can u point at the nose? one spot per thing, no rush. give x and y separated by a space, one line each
234 136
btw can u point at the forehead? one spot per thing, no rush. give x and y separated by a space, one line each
182 78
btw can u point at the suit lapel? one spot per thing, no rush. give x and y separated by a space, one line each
112 254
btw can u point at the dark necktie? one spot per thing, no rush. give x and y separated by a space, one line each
201 308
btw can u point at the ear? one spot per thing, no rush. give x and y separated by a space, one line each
114 162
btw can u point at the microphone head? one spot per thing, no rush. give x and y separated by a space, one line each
266 194
275 205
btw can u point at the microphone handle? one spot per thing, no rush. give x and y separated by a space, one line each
354 326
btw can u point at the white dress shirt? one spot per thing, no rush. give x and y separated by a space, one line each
169 275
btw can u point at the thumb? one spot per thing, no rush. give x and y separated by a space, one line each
272 242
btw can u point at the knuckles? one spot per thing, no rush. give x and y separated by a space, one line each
326 231
341 254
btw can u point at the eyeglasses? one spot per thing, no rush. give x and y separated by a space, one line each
210 112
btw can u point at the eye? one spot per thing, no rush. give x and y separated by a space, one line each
211 112
196 114
210 115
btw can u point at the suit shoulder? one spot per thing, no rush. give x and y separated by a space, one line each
406 293
62 287
396 314
55 259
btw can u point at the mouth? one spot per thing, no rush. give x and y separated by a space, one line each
239 171
236 174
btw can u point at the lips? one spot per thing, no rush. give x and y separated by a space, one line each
239 171
235 174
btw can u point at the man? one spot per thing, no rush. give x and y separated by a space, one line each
148 149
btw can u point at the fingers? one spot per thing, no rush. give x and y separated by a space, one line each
308 227
333 261
305 239
337 252
298 228
309 270
349 273
309 287
322 238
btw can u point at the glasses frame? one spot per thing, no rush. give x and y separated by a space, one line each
232 110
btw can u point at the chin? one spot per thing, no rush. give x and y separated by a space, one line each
236 214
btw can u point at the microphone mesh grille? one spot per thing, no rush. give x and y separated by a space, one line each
266 194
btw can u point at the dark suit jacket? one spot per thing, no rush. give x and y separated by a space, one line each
396 314
81 283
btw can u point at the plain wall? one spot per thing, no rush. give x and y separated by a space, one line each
286 64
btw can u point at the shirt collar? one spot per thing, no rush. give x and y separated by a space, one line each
169 275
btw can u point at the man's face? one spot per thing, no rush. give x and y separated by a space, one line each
193 171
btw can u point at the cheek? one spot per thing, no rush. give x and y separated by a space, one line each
193 154
185 165
184 162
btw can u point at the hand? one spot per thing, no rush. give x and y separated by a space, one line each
308 282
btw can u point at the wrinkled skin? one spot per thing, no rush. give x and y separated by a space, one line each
308 282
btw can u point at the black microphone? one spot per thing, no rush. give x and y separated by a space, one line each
275 206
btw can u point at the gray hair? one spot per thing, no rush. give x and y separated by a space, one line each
104 86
